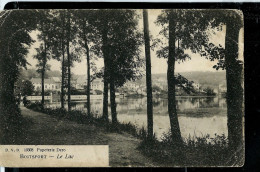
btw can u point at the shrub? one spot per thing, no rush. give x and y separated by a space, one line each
195 151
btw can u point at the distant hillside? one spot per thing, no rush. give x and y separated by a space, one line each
32 73
211 79
54 73
206 79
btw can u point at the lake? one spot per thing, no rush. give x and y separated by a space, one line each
198 116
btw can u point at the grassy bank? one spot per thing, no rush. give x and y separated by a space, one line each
196 151
82 118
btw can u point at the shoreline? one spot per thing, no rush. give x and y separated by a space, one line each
154 150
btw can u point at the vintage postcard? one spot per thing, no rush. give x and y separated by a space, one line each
121 88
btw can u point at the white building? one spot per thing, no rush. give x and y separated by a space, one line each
52 83
196 86
81 82
131 85
97 84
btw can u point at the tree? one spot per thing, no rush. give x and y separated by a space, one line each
103 26
64 46
87 34
68 39
175 128
44 51
124 47
27 88
148 76
42 65
58 46
99 24
209 91
234 72
198 41
15 27
184 83
156 88
181 35
228 59
71 47
120 43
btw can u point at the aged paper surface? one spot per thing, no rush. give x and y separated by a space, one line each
51 156
156 87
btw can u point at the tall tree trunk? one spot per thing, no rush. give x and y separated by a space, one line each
106 71
112 93
9 112
10 128
175 128
69 64
88 68
42 102
88 82
105 97
148 76
62 76
63 63
234 87
43 72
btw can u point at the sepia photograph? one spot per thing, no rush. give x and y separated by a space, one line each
160 87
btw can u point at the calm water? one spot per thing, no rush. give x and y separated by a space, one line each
197 116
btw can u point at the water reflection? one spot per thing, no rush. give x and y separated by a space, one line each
197 116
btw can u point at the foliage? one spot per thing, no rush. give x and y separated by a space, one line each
155 88
209 91
78 92
193 36
87 33
184 83
81 117
98 92
42 56
195 151
27 88
15 39
15 26
124 41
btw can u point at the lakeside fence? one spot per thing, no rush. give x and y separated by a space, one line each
73 97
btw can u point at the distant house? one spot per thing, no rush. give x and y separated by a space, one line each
133 86
81 82
141 90
97 84
222 88
52 83
196 85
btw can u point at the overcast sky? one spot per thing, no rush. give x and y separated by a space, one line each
197 63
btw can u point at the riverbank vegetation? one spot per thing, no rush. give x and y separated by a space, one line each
82 117
194 151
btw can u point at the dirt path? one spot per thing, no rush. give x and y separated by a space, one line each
46 130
